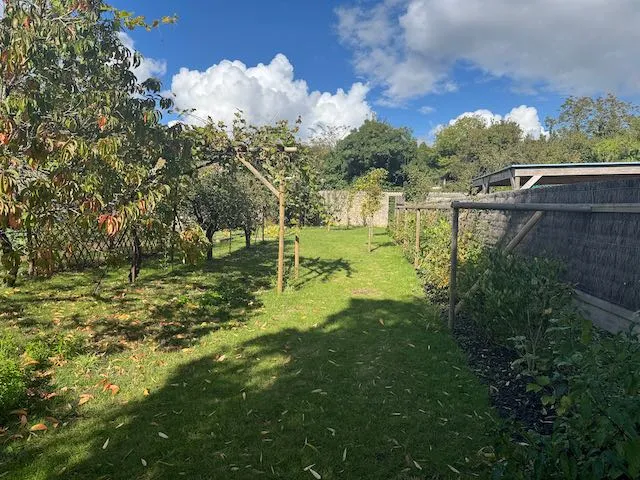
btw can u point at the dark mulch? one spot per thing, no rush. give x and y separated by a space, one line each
507 386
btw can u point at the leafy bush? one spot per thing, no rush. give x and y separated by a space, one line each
271 231
12 386
594 385
435 253
193 245
516 300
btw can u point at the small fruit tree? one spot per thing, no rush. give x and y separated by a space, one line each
273 154
80 137
370 185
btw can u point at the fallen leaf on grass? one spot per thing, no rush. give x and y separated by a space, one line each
19 412
54 421
144 462
145 392
417 465
38 427
163 435
111 387
84 398
105 444
310 469
454 470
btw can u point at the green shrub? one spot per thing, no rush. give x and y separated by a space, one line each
516 299
594 384
435 253
435 256
12 386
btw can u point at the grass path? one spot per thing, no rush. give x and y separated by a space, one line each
348 372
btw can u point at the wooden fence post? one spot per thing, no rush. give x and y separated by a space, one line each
296 260
454 267
281 238
416 261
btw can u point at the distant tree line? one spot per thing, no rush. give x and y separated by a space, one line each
602 129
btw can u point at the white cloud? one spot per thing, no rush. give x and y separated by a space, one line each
426 110
267 93
149 67
573 46
526 118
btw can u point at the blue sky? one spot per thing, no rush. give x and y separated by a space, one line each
444 57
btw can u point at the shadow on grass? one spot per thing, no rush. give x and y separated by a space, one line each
382 245
172 306
372 392
319 269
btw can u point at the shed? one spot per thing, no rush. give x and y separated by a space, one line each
522 177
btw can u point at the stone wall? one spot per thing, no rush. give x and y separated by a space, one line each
337 202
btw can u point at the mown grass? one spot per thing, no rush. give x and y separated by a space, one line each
348 374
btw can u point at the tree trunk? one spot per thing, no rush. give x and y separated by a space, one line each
10 260
172 249
31 254
209 233
247 237
136 257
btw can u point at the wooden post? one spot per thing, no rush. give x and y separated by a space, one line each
454 267
416 261
281 238
405 240
296 255
230 240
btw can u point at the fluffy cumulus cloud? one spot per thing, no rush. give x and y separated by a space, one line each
573 46
267 93
526 118
149 67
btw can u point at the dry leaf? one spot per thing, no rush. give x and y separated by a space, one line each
381 322
105 444
453 469
20 412
84 398
144 462
344 455
38 427
163 435
145 392
54 421
23 420
221 358
417 465
315 474
114 389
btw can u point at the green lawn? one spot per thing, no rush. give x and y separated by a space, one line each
349 372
